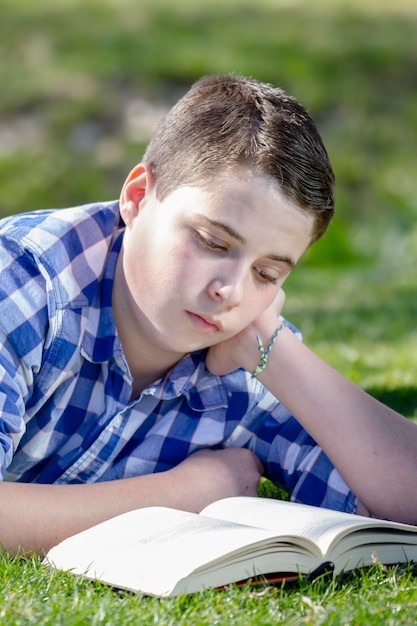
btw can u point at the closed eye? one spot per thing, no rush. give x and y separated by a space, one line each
265 277
209 244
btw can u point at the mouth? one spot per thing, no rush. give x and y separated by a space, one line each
205 324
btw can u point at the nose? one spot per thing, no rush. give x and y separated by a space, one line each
228 288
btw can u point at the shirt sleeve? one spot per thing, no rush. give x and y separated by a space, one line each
23 320
294 461
291 457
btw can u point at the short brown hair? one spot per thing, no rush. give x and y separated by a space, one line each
227 121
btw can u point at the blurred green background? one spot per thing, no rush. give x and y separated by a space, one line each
83 83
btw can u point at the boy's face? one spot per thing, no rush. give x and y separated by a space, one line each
204 263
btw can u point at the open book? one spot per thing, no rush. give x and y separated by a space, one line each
164 552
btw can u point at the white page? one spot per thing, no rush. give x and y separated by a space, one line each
150 549
320 525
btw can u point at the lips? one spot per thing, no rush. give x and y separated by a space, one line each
204 323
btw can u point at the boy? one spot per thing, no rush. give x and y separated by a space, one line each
138 364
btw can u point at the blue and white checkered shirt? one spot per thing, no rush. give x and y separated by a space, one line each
65 387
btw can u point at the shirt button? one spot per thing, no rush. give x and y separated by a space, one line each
117 422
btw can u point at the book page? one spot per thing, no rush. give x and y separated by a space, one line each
152 549
323 526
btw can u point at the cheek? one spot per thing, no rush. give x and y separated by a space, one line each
184 253
264 302
175 266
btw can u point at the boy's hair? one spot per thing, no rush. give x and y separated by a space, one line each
227 121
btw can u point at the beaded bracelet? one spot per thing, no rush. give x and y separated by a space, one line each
265 351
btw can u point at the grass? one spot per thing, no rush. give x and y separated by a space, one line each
31 594
361 321
83 84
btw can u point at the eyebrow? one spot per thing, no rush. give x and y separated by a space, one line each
235 235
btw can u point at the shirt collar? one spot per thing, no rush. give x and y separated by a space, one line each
190 378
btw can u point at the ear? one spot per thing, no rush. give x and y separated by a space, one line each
137 185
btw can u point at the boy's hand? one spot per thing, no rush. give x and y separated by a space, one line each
209 475
241 350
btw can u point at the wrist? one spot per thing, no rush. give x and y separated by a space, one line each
266 349
246 351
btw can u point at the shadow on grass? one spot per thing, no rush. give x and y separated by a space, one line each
403 400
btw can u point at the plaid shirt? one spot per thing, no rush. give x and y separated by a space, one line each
65 386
